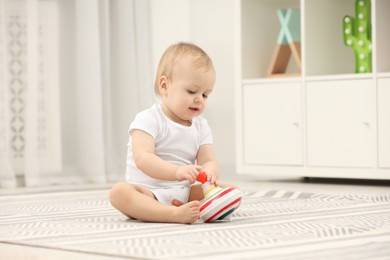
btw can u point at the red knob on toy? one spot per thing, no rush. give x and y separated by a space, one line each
202 177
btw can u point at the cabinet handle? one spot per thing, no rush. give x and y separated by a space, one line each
296 124
366 123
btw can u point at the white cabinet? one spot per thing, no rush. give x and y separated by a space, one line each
384 122
339 123
329 121
272 123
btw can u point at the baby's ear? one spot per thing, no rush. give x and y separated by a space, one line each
163 84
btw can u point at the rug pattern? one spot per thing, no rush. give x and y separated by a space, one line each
273 224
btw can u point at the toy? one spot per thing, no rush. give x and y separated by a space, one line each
357 35
218 203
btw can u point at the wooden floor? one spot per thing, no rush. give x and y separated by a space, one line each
248 183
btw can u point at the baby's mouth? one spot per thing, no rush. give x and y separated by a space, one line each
195 109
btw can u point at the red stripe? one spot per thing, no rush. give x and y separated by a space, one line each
227 206
218 196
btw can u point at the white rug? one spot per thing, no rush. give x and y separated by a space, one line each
268 224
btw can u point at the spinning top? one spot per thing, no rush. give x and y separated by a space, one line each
218 203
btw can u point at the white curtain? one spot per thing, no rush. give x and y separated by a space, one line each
72 76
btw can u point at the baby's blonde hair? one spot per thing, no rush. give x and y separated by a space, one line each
200 59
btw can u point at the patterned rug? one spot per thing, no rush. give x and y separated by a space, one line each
268 224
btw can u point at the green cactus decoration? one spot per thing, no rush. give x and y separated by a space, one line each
357 35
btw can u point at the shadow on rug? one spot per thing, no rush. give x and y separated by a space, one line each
272 224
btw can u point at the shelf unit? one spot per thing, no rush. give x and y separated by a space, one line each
330 121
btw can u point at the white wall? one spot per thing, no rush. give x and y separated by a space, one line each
210 25
170 23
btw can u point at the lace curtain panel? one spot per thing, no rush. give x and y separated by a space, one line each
72 75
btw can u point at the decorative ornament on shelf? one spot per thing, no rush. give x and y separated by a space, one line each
288 42
218 203
357 35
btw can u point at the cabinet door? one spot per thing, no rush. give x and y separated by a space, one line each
339 130
384 122
272 124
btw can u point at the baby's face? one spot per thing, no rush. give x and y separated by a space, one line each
186 94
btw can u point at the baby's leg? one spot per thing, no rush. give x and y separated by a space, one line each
196 192
138 202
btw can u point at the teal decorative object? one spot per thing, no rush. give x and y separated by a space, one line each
290 21
288 42
357 35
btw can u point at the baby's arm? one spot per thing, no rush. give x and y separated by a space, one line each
207 159
148 162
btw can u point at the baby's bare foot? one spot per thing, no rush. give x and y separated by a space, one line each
188 213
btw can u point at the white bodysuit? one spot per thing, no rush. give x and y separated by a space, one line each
174 143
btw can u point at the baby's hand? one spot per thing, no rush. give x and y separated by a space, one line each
211 177
188 172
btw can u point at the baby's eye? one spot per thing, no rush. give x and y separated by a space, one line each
205 96
191 92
